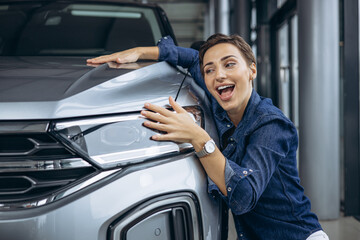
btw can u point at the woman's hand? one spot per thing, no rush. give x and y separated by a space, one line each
128 56
178 125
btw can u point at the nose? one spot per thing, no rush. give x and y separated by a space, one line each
220 74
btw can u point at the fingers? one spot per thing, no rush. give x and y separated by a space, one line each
164 111
154 116
92 64
159 116
127 56
157 126
160 125
158 109
176 106
177 126
163 137
102 59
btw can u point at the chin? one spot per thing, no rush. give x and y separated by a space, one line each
226 107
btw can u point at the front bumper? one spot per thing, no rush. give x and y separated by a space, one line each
89 212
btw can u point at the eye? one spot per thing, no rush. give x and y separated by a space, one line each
230 64
209 70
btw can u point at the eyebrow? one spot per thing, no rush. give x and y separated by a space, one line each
222 59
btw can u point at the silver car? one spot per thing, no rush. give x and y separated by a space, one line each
76 161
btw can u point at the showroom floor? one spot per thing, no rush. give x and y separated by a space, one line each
344 228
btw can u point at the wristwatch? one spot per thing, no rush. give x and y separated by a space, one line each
208 148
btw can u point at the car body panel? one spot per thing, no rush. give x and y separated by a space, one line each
49 78
113 91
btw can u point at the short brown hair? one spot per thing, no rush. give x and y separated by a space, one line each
234 39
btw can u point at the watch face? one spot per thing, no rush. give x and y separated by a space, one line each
210 147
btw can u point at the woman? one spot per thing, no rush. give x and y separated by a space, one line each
254 169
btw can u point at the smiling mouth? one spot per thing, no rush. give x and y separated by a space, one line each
225 92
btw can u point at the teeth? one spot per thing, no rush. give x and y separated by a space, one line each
223 87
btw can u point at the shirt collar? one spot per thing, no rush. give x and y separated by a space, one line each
250 107
220 113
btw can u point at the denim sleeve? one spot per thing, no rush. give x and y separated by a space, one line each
235 178
246 182
184 57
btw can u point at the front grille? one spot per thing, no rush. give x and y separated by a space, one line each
39 146
34 165
30 185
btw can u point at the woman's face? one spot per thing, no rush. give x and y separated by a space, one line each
228 77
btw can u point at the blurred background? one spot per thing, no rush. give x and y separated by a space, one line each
308 64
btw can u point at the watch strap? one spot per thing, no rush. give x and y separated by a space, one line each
203 152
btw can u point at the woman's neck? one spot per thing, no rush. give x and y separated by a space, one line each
236 116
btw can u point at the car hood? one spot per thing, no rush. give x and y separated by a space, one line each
63 87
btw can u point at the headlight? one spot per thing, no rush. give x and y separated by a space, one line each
119 140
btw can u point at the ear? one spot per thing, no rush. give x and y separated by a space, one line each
252 71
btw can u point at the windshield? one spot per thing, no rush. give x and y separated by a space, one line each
75 29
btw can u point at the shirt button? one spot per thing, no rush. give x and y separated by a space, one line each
241 235
250 170
229 189
165 37
245 172
228 125
231 139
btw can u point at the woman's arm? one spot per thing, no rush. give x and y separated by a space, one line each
128 56
180 127
165 51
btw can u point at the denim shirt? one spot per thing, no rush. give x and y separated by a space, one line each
261 176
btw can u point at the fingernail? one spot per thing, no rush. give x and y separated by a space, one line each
143 113
146 104
155 137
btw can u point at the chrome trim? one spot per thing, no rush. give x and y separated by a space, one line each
134 155
141 211
23 127
31 165
59 195
89 13
86 183
97 121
